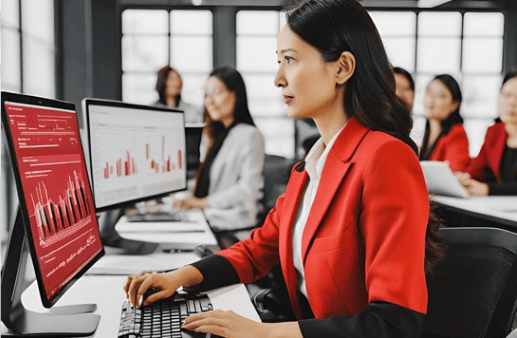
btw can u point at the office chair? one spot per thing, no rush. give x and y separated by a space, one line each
277 170
473 292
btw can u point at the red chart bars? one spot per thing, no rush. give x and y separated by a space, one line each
127 168
54 217
165 165
56 191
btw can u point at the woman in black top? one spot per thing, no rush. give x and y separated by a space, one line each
494 170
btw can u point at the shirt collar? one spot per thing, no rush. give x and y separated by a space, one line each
316 157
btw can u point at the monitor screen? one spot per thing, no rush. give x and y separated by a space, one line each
53 190
136 152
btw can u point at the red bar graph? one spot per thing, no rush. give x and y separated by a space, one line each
70 208
126 168
166 164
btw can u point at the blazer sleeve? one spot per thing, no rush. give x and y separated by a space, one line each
249 177
505 188
479 164
393 223
457 149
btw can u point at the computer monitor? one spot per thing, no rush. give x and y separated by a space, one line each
136 153
193 133
56 218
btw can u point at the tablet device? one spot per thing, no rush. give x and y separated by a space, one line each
441 181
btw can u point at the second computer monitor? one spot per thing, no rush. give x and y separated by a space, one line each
136 152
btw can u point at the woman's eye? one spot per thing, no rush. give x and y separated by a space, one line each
289 59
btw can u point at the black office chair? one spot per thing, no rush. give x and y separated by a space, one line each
473 293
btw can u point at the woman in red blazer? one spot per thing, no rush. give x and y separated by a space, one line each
350 230
494 170
444 137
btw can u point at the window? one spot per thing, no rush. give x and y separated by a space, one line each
257 62
152 39
468 46
28 66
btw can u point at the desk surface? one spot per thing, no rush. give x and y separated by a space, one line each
106 292
171 235
501 209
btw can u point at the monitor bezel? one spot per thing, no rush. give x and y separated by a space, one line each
86 103
49 103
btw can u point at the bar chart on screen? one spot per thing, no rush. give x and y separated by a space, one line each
135 156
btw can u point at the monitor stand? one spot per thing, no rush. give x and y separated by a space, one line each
110 237
67 321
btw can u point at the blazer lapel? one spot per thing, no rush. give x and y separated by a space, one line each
497 152
336 166
292 198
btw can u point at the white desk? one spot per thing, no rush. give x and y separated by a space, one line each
171 235
499 209
106 292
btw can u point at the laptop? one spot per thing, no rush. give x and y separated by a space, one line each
440 179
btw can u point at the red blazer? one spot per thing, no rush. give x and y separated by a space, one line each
490 155
454 148
364 240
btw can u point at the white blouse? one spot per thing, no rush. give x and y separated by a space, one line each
314 162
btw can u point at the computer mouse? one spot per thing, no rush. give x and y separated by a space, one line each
203 251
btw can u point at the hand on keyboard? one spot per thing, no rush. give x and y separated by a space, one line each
163 318
165 284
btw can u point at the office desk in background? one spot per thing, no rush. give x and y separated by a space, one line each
498 210
177 235
107 293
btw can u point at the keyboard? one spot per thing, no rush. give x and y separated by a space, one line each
163 318
157 216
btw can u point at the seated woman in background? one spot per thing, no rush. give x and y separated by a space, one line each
405 86
494 170
169 85
228 181
444 137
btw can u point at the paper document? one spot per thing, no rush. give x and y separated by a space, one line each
441 181
132 264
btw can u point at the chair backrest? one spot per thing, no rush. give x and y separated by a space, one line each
276 174
473 293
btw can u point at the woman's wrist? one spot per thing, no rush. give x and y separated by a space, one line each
189 276
283 330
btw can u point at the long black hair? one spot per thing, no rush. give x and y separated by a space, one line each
336 26
161 83
453 119
233 80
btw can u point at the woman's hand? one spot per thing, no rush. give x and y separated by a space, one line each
476 188
165 284
191 202
229 324
463 178
473 187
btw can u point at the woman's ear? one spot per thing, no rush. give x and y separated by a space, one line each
346 67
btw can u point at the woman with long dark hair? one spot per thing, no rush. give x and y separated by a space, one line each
405 86
445 138
353 232
494 170
169 85
228 181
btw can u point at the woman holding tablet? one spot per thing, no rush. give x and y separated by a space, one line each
444 137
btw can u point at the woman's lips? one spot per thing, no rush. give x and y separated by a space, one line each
288 99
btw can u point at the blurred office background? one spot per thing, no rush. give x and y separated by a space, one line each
71 49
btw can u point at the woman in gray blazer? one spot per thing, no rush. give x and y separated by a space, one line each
228 181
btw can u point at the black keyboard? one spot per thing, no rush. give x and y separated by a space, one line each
163 318
156 216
